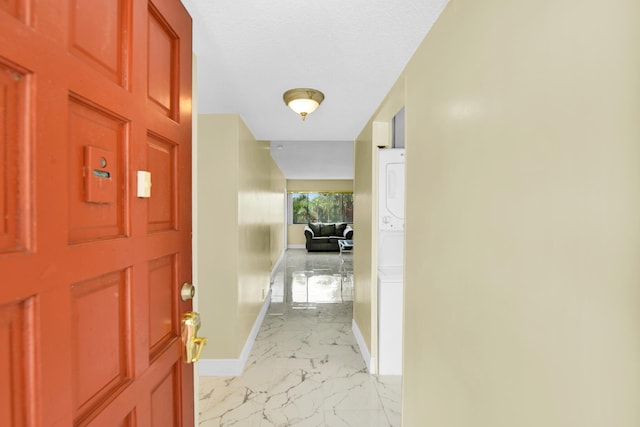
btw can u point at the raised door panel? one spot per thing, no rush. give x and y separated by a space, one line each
16 363
101 351
14 143
98 171
163 401
162 161
16 8
162 304
100 34
163 83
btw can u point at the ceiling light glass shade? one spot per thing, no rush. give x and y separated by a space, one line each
303 101
300 106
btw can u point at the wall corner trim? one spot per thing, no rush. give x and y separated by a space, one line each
234 367
364 351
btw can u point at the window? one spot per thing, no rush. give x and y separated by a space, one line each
320 207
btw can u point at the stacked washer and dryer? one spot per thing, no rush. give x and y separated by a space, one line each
391 197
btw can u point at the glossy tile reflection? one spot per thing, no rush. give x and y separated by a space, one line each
315 277
305 367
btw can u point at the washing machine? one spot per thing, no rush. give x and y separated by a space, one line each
390 317
391 198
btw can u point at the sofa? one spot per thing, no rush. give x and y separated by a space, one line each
324 236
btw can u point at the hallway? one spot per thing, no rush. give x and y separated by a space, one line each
305 368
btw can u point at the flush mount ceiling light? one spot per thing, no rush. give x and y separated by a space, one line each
303 101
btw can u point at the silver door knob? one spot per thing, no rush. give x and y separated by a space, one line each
187 292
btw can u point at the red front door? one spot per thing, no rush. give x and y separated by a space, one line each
91 92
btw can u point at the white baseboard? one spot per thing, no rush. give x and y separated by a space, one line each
234 367
296 247
364 351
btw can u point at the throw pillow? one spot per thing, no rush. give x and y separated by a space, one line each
315 227
340 227
328 230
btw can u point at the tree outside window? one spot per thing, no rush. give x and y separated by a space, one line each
321 207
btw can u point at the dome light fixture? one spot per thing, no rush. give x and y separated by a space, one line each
303 101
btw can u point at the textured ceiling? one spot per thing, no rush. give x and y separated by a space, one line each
314 159
251 51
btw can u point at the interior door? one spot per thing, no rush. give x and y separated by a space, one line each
91 92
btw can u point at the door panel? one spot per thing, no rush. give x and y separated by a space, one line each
14 86
99 34
162 162
97 205
162 64
16 338
15 8
100 321
163 411
91 93
162 304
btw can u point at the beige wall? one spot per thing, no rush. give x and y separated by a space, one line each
295 235
320 185
217 274
363 265
377 133
277 213
237 204
522 296
295 232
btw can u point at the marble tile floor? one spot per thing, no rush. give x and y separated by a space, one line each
305 368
